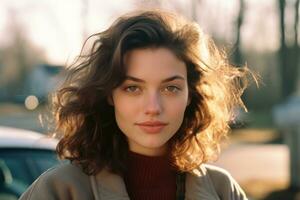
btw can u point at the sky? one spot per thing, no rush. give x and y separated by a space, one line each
59 27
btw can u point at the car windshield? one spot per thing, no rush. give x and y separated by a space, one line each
20 167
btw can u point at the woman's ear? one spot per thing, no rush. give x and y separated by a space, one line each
110 100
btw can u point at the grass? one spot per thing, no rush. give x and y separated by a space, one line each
260 189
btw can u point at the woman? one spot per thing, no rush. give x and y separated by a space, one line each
141 114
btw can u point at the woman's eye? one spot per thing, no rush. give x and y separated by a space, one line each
132 89
172 89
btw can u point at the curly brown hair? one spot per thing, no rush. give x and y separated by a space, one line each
86 122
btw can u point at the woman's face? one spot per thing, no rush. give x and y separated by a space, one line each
150 104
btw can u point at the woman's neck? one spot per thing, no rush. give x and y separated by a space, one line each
151 176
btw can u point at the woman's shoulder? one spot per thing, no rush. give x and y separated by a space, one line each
62 181
64 170
65 174
218 181
217 174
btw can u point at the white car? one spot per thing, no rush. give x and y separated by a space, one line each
24 155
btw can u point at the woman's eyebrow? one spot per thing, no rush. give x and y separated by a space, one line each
164 81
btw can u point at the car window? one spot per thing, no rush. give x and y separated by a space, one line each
18 172
25 165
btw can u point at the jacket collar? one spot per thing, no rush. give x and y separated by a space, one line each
106 185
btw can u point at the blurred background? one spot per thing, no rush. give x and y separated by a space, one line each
39 38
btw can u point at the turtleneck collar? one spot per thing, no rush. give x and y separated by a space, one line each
150 177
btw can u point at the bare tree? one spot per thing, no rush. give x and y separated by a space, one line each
237 56
18 59
84 14
288 55
296 46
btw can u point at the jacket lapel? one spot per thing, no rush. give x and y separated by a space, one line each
109 186
199 186
106 185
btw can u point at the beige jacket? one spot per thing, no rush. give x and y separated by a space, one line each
68 182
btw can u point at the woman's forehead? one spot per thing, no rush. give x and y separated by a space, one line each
159 62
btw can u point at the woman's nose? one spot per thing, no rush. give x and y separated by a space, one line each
153 104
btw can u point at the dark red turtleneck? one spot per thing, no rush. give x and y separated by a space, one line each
150 178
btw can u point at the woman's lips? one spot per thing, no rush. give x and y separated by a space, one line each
152 127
